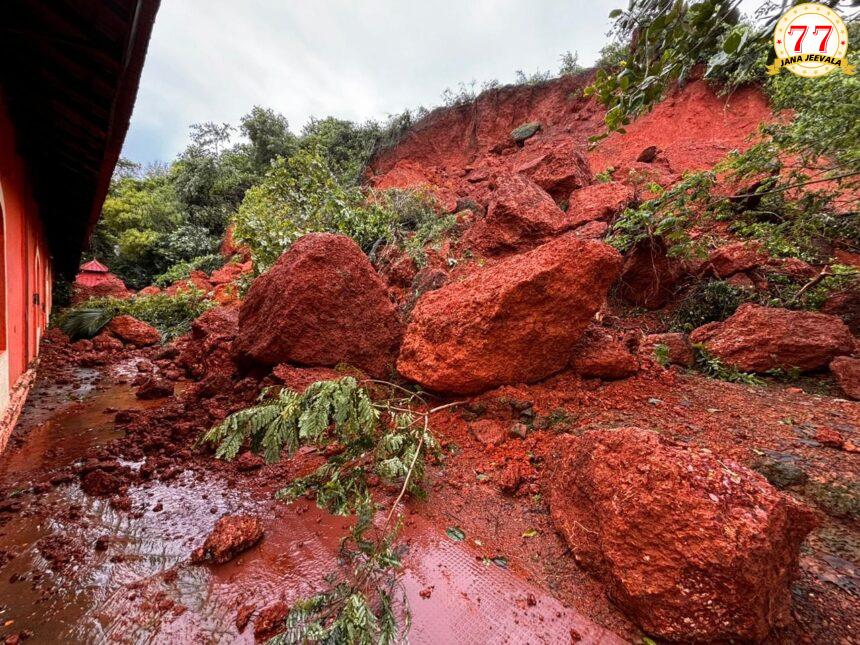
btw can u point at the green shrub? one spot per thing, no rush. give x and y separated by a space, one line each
170 315
538 77
302 195
661 354
181 270
570 64
707 302
415 220
667 216
711 366
667 40
605 176
61 293
791 293
611 55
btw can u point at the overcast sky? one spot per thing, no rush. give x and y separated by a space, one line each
212 60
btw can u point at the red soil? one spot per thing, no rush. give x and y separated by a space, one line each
501 448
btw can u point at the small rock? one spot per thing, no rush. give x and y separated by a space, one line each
121 503
100 483
670 348
599 355
488 432
243 616
728 260
249 462
596 202
154 388
846 305
829 437
104 342
518 431
525 131
512 476
648 155
270 618
232 535
781 471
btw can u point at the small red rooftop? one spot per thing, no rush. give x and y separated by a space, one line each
95 280
93 266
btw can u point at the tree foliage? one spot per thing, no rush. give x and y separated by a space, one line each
795 186
158 221
303 194
667 39
380 438
170 315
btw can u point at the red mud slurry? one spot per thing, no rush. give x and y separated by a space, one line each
74 568
61 433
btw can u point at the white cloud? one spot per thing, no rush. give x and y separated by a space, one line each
212 60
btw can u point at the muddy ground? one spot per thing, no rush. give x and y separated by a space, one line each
114 565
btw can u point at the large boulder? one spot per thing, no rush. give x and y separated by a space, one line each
515 322
847 373
520 216
728 260
759 339
556 165
598 202
691 547
132 331
321 304
208 349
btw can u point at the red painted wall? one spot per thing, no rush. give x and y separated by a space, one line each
27 260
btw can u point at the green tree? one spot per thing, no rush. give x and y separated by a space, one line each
269 137
347 146
210 177
301 195
138 215
667 39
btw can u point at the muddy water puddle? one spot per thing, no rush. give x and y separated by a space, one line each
80 571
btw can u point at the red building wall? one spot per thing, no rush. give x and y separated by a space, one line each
24 277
